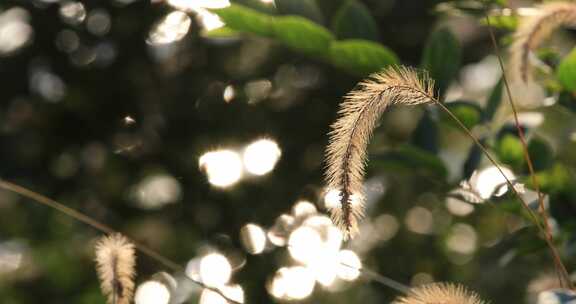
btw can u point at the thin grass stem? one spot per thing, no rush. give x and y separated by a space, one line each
39 198
562 272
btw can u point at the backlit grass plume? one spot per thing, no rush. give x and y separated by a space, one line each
115 262
358 115
440 293
533 30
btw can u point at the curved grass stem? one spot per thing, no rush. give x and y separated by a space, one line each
562 272
561 269
39 198
34 196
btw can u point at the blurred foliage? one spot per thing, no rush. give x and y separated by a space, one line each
567 71
87 114
441 58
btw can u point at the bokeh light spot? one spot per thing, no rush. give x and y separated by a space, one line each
487 181
152 292
15 32
292 283
11 256
72 12
462 239
215 270
223 167
349 265
261 156
98 22
419 220
155 191
173 27
253 238
458 207
198 4
229 94
387 226
305 244
279 233
303 209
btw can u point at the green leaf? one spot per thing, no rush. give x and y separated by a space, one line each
301 34
353 20
554 180
493 102
442 57
541 154
502 22
410 158
306 8
467 112
222 32
425 136
566 71
243 19
361 57
472 160
473 7
510 151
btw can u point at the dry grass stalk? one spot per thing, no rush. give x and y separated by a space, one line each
440 293
115 262
358 115
529 35
533 30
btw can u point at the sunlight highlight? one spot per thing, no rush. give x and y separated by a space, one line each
489 181
152 292
279 233
261 156
223 167
229 93
155 191
11 256
173 27
194 5
303 209
15 31
208 20
305 244
72 12
215 270
348 265
292 283
253 238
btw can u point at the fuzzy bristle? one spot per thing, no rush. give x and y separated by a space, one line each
115 263
533 30
440 293
358 116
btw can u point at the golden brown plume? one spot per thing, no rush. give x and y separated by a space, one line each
440 293
533 30
358 115
115 262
